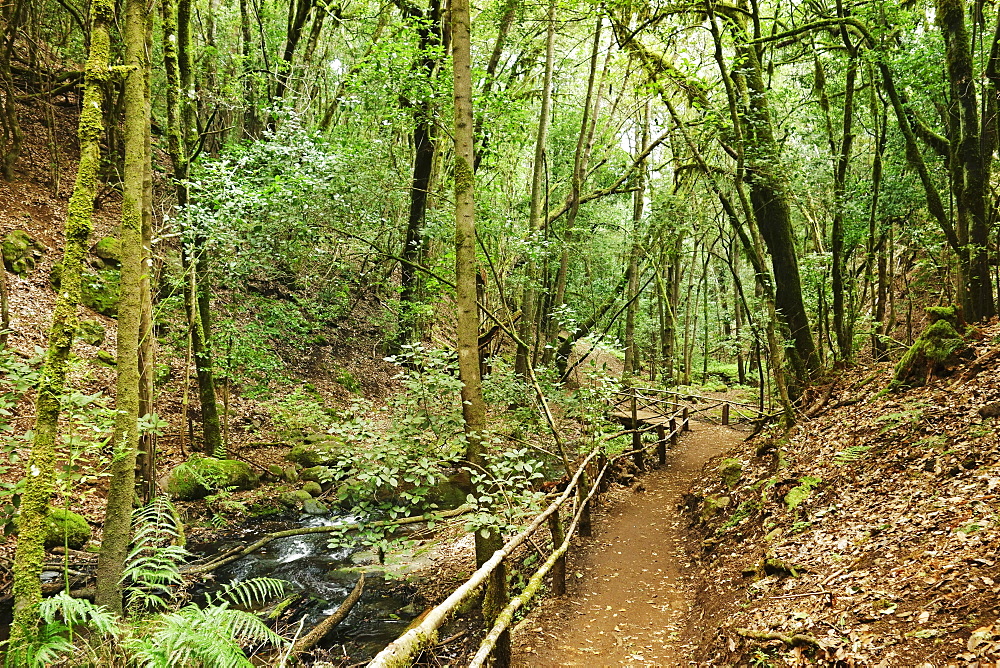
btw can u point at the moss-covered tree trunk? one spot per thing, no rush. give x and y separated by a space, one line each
176 50
121 494
971 153
146 466
473 406
40 470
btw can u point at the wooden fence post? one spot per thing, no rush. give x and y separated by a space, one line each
673 432
559 568
686 424
725 414
636 436
661 444
602 461
581 493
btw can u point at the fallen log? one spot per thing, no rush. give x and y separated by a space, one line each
311 639
793 640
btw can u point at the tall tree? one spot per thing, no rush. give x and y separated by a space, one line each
473 406
117 533
40 469
180 135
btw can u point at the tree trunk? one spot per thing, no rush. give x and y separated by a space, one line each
530 320
30 554
632 291
193 256
117 532
473 406
424 147
971 165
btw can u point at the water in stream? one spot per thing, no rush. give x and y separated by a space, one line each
327 575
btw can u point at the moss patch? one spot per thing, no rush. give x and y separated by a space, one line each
20 252
936 346
200 476
64 527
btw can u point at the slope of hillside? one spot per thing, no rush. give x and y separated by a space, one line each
868 536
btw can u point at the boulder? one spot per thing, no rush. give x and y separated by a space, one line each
20 252
313 507
312 488
109 250
98 289
200 476
64 527
321 474
321 453
713 505
295 498
91 332
730 471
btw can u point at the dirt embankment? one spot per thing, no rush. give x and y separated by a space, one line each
867 537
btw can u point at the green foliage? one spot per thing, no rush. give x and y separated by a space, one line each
505 491
852 454
796 495
157 550
193 636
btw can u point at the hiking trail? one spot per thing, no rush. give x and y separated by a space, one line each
629 588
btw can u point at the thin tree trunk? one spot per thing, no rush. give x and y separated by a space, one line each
638 203
193 256
30 553
117 532
530 320
473 406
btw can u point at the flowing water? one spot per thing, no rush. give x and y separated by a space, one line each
326 575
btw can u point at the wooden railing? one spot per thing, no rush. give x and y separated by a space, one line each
669 420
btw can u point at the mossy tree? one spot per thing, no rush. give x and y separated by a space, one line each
121 494
180 134
40 469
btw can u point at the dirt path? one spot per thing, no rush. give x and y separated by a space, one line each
630 586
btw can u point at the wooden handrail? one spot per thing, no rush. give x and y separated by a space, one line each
424 634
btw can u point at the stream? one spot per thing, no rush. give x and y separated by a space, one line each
327 575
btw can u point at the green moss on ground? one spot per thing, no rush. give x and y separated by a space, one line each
64 527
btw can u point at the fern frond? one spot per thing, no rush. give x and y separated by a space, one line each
63 608
210 636
851 454
249 592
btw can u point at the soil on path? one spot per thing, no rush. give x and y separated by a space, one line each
631 586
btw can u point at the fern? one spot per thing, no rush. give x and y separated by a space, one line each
194 636
64 609
153 565
248 592
851 454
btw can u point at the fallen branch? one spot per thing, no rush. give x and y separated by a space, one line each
795 640
977 366
308 641
238 552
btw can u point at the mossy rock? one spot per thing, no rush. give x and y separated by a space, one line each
313 507
64 527
312 488
106 358
309 455
91 332
295 498
98 289
320 474
20 252
730 471
109 249
200 476
938 345
713 505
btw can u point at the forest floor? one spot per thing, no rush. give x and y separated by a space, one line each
631 586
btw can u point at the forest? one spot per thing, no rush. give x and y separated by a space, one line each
373 273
